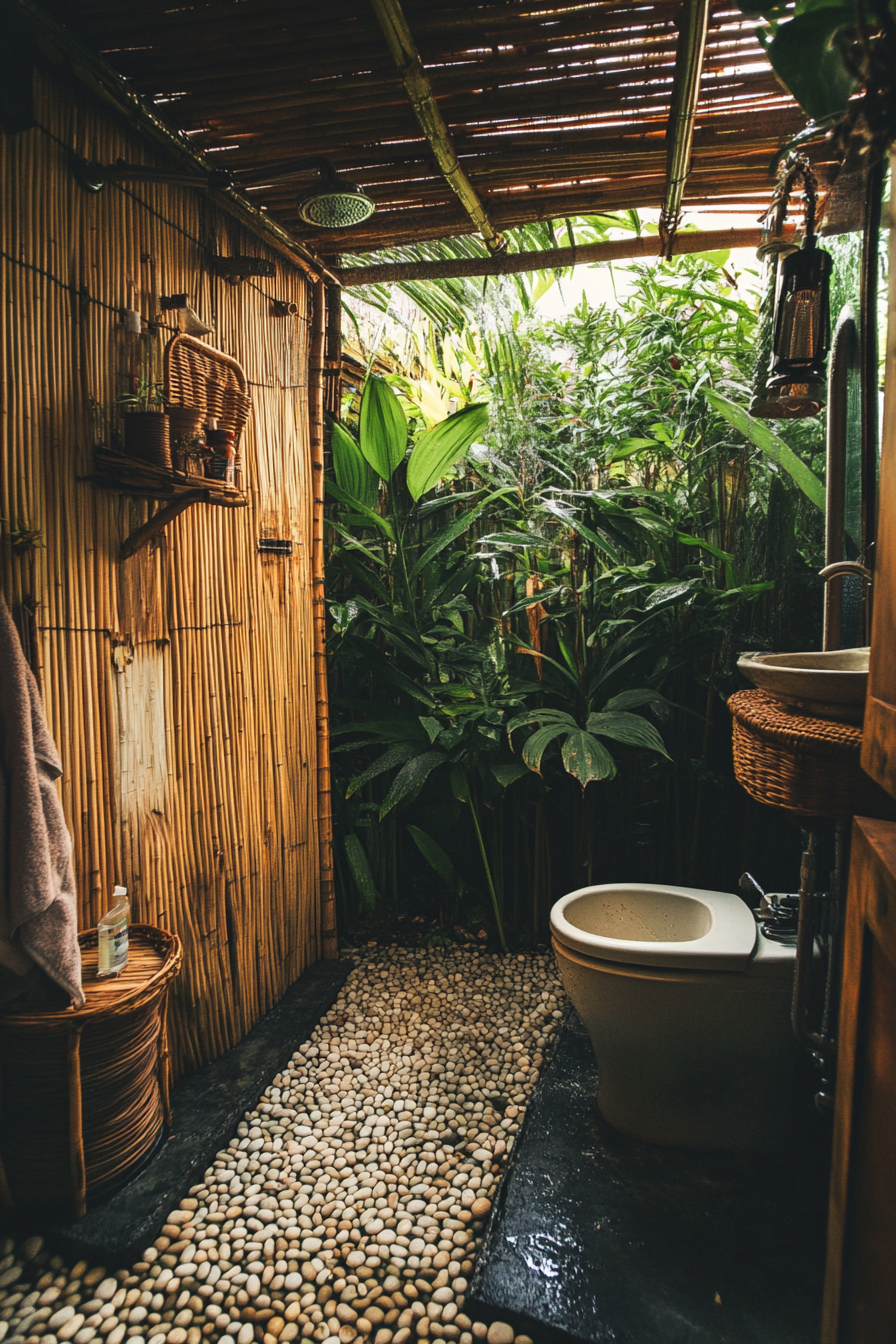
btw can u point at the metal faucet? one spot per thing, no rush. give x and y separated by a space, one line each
845 567
832 609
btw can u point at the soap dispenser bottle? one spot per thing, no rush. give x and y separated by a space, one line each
112 932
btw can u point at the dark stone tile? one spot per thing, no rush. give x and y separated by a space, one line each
597 1238
206 1108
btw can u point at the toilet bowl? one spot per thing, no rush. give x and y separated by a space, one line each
687 1004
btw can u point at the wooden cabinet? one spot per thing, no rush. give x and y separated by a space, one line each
860 1283
879 745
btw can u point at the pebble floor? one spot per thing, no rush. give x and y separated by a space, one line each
350 1203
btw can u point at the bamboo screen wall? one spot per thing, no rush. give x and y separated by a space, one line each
179 684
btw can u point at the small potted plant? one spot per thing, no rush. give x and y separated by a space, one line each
146 428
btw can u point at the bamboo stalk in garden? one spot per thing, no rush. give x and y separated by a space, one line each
324 798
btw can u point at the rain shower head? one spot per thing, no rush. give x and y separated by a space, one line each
334 203
330 203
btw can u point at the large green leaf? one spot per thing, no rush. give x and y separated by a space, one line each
360 871
394 756
368 515
384 428
353 472
586 759
453 531
540 740
355 545
809 63
439 447
543 715
628 728
508 773
410 779
634 699
460 784
774 448
434 855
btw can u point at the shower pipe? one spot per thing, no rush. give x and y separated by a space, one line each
820 1044
842 349
805 943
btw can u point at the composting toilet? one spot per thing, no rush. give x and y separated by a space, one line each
687 1003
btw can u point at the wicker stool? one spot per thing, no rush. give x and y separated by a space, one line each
84 1094
805 765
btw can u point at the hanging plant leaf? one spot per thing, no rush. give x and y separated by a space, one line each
808 61
440 447
460 785
759 434
353 472
410 780
509 773
434 855
368 515
453 531
394 756
360 871
384 429
541 739
587 759
631 729
634 699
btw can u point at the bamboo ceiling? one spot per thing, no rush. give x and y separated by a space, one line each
553 108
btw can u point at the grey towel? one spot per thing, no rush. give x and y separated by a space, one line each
38 920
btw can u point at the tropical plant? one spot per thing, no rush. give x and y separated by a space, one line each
824 52
518 598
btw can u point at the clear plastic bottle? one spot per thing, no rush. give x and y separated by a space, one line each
112 932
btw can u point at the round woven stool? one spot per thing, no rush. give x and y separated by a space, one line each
84 1092
807 766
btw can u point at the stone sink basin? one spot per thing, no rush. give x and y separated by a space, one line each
828 685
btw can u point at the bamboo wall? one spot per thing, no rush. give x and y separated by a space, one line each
179 684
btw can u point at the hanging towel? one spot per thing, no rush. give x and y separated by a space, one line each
38 922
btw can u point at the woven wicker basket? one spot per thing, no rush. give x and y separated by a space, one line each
84 1093
206 380
805 765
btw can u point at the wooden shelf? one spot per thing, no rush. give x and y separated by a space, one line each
129 476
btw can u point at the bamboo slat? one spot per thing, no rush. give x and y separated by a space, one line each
179 683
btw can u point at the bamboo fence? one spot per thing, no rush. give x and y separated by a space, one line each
181 683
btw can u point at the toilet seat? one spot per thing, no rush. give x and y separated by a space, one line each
649 924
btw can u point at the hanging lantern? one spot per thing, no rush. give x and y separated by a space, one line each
800 330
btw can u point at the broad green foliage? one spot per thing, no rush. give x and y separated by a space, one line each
353 472
824 51
384 429
535 613
760 434
438 448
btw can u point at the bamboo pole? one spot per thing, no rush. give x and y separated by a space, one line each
515 263
406 56
333 361
680 128
324 799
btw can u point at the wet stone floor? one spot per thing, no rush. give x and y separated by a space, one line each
351 1202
